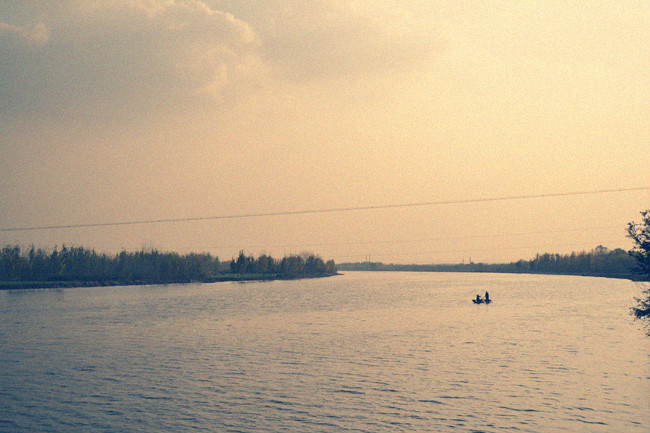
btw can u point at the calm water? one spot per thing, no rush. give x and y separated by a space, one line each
371 352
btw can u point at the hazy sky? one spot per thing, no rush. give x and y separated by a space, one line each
123 110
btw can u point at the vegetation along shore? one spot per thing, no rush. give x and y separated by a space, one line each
82 267
600 262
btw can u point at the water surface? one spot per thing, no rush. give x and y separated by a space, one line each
367 352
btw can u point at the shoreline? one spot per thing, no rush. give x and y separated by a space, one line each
566 274
36 285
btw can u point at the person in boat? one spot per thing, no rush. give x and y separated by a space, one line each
487 297
478 299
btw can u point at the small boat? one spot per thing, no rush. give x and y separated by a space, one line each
479 300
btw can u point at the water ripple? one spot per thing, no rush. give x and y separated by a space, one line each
359 353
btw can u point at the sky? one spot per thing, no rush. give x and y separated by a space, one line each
124 110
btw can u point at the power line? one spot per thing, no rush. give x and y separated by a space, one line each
325 210
409 240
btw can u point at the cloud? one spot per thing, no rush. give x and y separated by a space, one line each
76 59
37 35
324 39
118 54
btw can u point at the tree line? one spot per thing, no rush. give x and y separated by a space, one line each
35 266
305 265
600 262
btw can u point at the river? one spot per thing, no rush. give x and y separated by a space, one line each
360 352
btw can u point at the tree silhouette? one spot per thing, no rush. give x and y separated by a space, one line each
640 234
77 264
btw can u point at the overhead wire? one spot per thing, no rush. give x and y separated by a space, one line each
323 210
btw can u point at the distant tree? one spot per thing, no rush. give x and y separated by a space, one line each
330 267
264 264
314 265
292 266
640 234
78 264
11 263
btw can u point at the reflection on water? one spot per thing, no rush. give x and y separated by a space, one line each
359 352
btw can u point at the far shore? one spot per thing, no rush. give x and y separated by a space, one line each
29 285
566 274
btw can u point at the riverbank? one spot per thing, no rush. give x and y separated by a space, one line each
409 268
599 262
82 267
28 285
